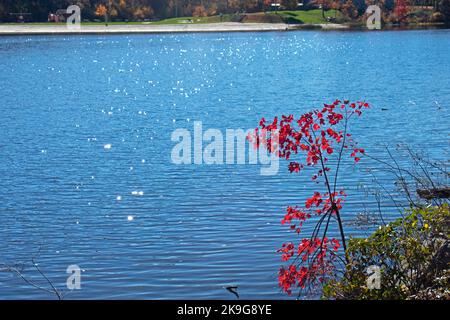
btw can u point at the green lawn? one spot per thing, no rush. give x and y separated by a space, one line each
310 16
195 20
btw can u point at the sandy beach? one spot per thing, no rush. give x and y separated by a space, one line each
153 28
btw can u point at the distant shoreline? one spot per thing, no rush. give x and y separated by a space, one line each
25 29
100 29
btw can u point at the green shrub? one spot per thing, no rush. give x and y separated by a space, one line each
412 254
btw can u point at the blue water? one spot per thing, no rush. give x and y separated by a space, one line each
196 228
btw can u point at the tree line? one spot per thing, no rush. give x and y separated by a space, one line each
132 10
128 9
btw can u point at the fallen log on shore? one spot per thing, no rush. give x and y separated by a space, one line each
437 193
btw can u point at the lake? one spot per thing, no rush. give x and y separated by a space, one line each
85 151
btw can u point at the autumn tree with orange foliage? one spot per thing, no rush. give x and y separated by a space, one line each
142 13
101 10
199 11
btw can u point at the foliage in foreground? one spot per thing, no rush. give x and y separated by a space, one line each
318 139
412 253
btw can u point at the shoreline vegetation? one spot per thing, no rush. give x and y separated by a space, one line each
313 19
